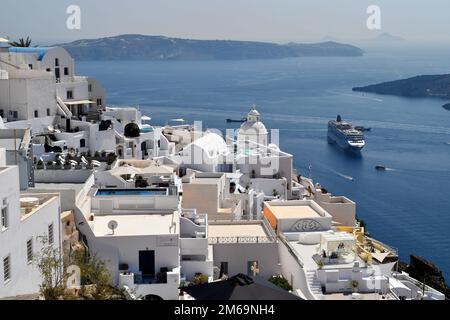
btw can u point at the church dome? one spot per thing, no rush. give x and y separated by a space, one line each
253 125
253 129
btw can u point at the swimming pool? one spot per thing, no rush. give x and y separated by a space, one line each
131 192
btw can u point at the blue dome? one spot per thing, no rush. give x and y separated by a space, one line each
39 51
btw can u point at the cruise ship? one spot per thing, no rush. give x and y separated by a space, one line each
345 135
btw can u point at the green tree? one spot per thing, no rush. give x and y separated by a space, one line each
51 267
96 281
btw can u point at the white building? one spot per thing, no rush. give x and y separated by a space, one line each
253 129
248 247
210 193
205 153
150 243
28 88
25 217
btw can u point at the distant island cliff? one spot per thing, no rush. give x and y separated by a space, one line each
415 87
141 47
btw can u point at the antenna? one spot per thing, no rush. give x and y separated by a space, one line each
112 225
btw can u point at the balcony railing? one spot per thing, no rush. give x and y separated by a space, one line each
244 239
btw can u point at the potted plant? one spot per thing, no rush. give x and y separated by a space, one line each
354 285
200 278
123 267
40 164
320 264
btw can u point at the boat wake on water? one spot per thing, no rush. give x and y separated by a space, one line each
409 170
347 177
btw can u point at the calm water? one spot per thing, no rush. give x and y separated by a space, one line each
407 207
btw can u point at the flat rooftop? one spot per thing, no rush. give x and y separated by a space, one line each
33 202
206 180
137 225
285 211
237 230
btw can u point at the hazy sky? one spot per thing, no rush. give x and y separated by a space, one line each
263 20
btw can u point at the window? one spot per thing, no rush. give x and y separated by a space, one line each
15 114
90 88
5 222
56 62
99 102
30 66
6 268
48 70
36 114
66 71
51 238
48 112
30 250
2 114
69 94
82 143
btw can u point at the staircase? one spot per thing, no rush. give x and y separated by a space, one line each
314 284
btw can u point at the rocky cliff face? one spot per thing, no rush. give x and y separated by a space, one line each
428 272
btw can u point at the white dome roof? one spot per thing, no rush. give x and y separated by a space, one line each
249 127
253 124
211 144
254 112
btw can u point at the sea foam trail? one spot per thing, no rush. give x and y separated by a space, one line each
347 177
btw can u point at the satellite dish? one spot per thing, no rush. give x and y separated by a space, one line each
112 225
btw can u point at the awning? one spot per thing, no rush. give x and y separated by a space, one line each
70 103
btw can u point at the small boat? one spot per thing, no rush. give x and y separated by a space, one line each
380 168
234 120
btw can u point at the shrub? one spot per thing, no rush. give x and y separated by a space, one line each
200 278
141 182
281 282
110 158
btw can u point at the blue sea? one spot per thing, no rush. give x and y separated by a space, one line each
407 207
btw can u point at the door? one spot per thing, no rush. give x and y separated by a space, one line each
147 262
223 269
57 74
